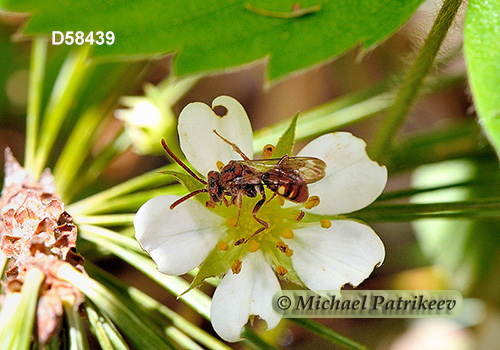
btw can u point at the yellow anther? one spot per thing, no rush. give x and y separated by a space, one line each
325 223
220 165
222 245
283 247
236 266
281 270
312 202
232 221
268 151
299 215
253 246
281 201
287 233
289 253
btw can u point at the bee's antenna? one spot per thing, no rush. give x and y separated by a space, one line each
187 196
233 145
178 161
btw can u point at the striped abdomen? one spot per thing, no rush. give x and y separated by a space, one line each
287 187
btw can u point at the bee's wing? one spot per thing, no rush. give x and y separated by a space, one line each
309 169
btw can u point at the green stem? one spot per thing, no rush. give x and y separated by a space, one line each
77 149
97 232
150 179
78 339
104 330
105 220
18 315
413 191
407 211
63 95
145 301
328 334
410 88
132 202
139 331
100 163
35 91
254 341
176 285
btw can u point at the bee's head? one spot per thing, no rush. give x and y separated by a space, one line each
215 190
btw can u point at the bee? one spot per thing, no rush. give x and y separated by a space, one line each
286 177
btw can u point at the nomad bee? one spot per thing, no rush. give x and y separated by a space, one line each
287 177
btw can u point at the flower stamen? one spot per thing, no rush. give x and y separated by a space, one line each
312 202
236 266
253 246
325 223
222 246
299 215
232 221
284 248
268 151
281 270
220 165
287 233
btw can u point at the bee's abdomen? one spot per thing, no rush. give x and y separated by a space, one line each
295 191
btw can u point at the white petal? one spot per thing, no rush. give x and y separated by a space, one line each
326 259
178 240
200 144
352 180
248 293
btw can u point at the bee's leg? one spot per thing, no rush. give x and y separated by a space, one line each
239 202
282 159
235 148
256 208
270 199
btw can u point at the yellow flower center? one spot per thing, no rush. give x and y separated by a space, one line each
274 225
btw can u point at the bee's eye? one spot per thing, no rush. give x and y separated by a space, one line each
211 183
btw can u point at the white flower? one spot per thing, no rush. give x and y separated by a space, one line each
318 253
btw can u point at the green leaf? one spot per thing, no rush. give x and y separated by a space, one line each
482 54
287 140
212 35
